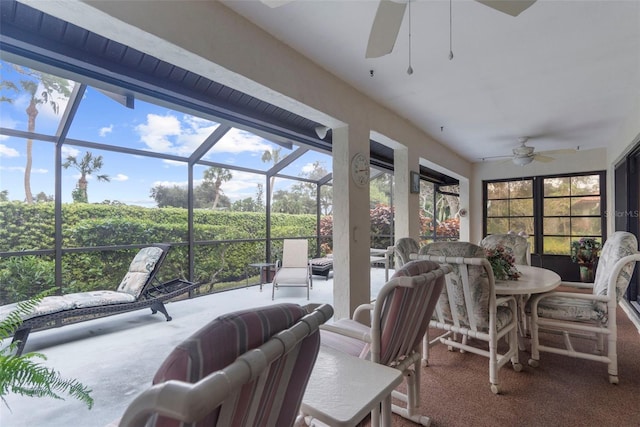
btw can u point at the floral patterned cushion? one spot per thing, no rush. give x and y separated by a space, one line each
55 304
403 248
48 305
515 244
619 245
140 270
479 284
567 308
98 298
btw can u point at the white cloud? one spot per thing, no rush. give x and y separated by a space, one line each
171 183
181 136
105 130
69 151
8 151
13 168
119 177
240 141
156 132
39 170
173 163
308 168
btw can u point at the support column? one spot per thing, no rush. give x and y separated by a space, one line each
351 224
406 204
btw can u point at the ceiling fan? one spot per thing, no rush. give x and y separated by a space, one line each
525 154
390 14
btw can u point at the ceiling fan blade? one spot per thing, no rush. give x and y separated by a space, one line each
510 7
562 151
385 28
543 159
276 3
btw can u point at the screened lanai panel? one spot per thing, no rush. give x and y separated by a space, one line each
117 210
313 165
218 188
113 119
245 149
32 101
23 226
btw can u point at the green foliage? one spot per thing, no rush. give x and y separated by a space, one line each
23 277
24 375
207 195
585 251
239 238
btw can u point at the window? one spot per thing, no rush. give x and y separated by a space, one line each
552 210
509 207
438 214
572 209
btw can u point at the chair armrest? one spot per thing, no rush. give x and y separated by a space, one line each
361 308
577 285
359 311
364 337
576 295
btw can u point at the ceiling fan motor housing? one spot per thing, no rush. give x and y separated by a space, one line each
523 151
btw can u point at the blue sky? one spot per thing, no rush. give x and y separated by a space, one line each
146 127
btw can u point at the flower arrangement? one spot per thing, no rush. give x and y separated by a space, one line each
585 251
502 263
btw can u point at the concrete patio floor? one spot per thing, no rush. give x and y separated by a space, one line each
117 356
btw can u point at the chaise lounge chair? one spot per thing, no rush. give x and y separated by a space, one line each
136 291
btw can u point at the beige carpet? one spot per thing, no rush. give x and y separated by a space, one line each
562 391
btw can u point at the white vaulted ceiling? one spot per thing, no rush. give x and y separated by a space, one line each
564 73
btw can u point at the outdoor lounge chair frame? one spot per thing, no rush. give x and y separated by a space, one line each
153 296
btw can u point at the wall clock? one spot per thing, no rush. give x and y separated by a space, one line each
360 170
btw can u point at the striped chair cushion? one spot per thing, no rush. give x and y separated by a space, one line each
403 309
224 339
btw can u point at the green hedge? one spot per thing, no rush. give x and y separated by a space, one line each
31 227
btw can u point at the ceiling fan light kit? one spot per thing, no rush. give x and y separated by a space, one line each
522 160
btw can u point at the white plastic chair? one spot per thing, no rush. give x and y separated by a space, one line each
587 315
469 308
398 318
294 270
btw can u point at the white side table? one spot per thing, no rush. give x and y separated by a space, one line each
343 389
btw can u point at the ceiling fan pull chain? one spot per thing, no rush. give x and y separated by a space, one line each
450 30
410 69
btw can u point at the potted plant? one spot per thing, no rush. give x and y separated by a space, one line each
24 375
585 253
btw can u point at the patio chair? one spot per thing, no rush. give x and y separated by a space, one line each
403 249
468 308
294 269
592 315
399 318
137 290
247 368
517 245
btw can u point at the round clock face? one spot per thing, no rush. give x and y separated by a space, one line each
360 170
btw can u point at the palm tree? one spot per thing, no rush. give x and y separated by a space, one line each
217 176
271 156
52 88
87 166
